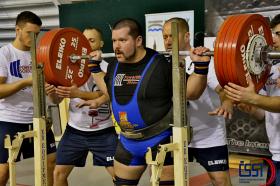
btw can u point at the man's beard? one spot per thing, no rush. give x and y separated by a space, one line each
126 57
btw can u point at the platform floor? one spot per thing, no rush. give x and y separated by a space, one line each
90 175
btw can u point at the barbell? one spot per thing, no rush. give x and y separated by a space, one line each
242 50
74 58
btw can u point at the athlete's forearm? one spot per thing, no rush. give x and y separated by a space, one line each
8 89
87 95
269 103
99 80
102 100
196 84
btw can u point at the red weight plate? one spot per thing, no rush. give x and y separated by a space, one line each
231 25
218 53
42 57
253 24
235 26
54 50
221 48
231 63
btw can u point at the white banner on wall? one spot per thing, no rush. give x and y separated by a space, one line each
154 23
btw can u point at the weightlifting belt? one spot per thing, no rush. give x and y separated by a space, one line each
152 130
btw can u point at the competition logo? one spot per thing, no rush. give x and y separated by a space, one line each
254 172
124 123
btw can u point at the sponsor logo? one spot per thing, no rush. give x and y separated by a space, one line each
52 145
252 172
14 69
17 70
110 158
217 162
118 80
60 52
82 64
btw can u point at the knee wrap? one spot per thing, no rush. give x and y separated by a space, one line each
166 182
120 181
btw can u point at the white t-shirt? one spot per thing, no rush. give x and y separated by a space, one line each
208 131
16 65
272 120
86 119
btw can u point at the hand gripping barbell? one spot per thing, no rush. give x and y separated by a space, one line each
242 50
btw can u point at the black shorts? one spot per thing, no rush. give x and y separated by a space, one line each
74 146
212 158
27 147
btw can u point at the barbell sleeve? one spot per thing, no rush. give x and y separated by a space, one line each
273 55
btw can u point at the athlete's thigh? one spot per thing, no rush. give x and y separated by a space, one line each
220 177
63 169
128 171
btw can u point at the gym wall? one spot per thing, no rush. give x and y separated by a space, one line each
103 13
